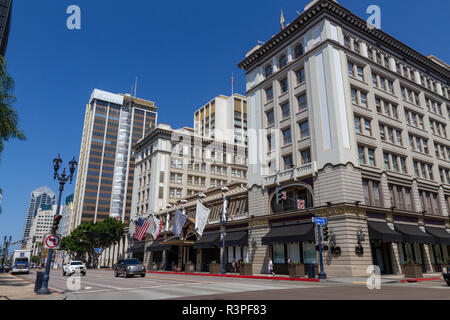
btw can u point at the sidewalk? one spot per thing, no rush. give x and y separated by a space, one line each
16 288
350 280
389 279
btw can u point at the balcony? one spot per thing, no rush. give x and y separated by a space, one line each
293 174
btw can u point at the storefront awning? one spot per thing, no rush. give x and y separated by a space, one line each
440 235
208 241
239 238
138 247
412 233
158 247
290 234
380 231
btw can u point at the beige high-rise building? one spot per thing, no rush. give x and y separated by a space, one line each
42 225
223 118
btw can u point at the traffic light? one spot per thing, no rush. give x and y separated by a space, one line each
326 235
56 222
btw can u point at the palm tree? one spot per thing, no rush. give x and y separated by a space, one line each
9 117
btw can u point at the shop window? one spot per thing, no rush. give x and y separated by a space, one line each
294 252
309 253
278 254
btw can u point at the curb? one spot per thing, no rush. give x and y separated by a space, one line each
420 280
31 281
236 276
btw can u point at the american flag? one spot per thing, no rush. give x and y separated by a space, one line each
141 229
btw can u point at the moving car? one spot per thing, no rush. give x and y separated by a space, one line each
21 261
129 268
74 267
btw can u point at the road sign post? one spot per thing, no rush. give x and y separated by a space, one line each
320 222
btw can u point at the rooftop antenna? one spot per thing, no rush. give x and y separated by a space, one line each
135 86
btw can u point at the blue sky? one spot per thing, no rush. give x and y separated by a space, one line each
183 53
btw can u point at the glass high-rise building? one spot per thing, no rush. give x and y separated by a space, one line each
113 124
5 23
39 198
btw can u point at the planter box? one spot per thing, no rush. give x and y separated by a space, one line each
297 271
215 268
413 271
246 269
190 267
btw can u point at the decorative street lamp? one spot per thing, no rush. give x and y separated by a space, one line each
63 178
223 219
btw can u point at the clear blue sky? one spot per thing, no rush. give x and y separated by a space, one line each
182 51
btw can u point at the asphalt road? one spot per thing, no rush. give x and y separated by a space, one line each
102 285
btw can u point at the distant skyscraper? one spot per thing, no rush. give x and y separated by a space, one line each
67 217
5 23
113 124
39 198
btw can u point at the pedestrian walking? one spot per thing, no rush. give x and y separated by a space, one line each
270 267
234 265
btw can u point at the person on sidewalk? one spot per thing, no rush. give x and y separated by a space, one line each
270 267
234 265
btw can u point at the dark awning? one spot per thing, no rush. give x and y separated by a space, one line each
207 241
138 247
412 233
440 235
238 238
380 231
157 247
290 234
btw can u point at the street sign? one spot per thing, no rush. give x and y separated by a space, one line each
52 241
98 251
301 204
320 221
283 195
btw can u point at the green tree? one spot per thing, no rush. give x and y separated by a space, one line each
84 239
9 117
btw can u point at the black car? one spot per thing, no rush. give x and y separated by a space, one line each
129 268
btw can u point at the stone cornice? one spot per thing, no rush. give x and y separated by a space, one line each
350 19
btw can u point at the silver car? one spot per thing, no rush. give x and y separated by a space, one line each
129 268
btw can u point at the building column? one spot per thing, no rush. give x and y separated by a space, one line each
427 258
198 267
396 268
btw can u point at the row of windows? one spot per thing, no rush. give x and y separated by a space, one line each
383 59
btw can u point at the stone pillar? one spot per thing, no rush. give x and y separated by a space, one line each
396 268
385 192
348 264
198 266
258 254
427 258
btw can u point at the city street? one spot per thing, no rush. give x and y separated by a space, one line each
101 285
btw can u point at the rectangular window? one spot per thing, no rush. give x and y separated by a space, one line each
285 110
270 118
300 74
287 136
304 129
284 85
269 94
306 156
302 104
288 163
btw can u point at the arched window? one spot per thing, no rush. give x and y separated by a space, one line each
282 61
295 195
268 70
298 50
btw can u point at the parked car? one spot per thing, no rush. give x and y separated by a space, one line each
73 267
129 268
